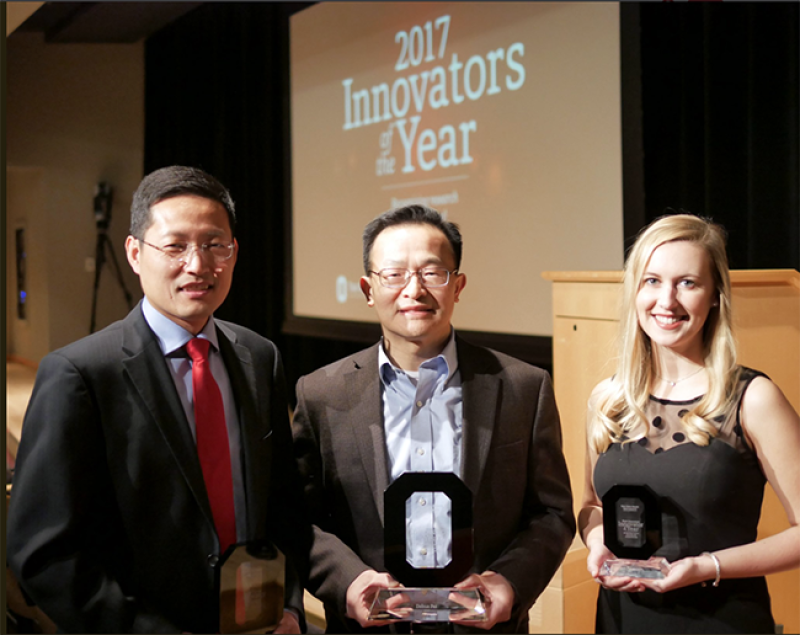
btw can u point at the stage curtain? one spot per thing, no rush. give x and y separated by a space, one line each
721 122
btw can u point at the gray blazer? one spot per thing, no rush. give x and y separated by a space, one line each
109 527
513 463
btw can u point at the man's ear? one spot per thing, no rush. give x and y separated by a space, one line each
461 282
366 289
133 250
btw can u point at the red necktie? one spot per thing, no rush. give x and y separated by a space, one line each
212 442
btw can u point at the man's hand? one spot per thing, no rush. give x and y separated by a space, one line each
288 624
361 593
499 597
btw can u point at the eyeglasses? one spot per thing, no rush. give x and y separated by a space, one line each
430 278
180 253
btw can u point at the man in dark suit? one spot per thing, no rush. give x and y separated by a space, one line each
127 491
423 399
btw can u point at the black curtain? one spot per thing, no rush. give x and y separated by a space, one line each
210 84
215 84
720 121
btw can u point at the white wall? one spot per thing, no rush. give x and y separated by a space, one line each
74 117
18 12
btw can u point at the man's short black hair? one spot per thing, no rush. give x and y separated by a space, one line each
176 180
408 215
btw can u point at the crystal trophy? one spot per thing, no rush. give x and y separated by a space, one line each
428 594
632 532
250 579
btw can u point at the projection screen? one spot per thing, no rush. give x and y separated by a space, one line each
503 116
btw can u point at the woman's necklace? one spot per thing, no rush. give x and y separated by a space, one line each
677 381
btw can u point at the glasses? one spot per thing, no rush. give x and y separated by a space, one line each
180 253
430 278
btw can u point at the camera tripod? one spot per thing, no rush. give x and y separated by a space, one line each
102 213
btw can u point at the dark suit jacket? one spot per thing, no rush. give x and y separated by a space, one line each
512 462
110 528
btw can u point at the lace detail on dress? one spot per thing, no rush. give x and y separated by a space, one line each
667 430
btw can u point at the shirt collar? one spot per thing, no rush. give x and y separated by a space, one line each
172 337
388 371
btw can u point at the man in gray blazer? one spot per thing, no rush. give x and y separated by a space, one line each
423 399
112 526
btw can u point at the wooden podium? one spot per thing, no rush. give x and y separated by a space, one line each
766 313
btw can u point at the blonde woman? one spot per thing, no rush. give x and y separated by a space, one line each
705 434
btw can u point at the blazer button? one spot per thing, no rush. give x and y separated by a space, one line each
212 560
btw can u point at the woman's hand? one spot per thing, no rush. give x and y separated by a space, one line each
684 572
598 554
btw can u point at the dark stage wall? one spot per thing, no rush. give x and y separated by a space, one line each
710 101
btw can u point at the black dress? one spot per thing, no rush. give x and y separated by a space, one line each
711 499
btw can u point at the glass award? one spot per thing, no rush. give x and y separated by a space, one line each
632 532
427 594
428 604
251 580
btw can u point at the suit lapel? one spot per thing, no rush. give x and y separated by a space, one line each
480 393
366 419
151 378
241 372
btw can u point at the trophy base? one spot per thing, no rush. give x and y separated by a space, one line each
442 604
654 568
251 588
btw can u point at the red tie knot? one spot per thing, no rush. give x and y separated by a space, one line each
198 349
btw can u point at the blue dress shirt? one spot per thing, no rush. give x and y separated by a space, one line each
423 423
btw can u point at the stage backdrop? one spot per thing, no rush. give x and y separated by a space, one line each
503 116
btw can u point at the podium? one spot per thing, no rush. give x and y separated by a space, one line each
766 313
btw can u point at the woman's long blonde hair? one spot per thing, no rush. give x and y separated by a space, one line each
619 410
